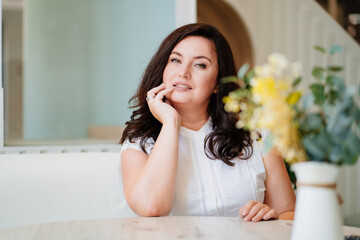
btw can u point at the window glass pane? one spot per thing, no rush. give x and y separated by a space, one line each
70 66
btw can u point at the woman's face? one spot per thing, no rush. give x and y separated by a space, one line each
192 70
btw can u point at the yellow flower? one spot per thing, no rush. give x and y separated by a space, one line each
263 88
283 85
268 106
294 98
240 124
231 104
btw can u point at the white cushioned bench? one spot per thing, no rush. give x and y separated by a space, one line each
40 188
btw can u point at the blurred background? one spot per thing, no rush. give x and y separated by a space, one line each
69 67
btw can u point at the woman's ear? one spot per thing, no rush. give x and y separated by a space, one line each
216 89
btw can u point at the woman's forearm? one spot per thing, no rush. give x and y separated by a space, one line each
289 215
152 192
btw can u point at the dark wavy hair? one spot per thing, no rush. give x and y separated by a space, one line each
226 142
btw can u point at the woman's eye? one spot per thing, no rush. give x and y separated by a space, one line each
200 65
175 60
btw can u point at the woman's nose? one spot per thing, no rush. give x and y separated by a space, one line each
185 72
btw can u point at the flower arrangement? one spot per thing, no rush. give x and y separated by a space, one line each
321 125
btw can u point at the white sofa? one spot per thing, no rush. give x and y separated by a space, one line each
40 188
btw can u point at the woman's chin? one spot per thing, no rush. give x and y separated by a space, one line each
178 101
173 98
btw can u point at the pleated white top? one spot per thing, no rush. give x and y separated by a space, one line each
206 187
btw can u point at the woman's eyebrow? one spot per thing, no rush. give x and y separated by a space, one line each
197 57
177 53
203 57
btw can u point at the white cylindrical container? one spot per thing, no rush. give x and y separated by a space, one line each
317 212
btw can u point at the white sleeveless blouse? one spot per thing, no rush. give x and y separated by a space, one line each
206 187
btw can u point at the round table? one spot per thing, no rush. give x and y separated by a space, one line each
166 228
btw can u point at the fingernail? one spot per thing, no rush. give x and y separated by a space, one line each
244 212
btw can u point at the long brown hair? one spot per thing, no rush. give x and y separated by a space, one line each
226 141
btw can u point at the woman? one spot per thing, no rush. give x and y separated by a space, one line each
181 152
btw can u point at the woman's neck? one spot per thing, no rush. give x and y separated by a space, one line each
194 124
193 119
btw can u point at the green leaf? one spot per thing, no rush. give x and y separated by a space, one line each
347 102
248 77
296 82
307 101
312 150
340 120
336 154
339 84
241 93
328 110
351 149
318 92
330 80
340 126
318 72
332 96
250 74
229 79
353 143
335 68
357 115
291 174
318 147
350 159
313 121
334 49
320 49
332 119
242 71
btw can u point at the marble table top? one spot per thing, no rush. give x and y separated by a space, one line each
166 228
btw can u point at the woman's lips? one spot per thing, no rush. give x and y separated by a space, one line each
182 86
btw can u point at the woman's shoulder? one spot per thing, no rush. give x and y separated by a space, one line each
136 144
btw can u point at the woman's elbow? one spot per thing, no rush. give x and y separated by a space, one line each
154 212
150 209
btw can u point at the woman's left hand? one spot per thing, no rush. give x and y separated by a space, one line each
257 211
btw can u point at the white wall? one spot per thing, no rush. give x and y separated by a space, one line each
293 27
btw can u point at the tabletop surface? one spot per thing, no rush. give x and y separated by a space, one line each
158 228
